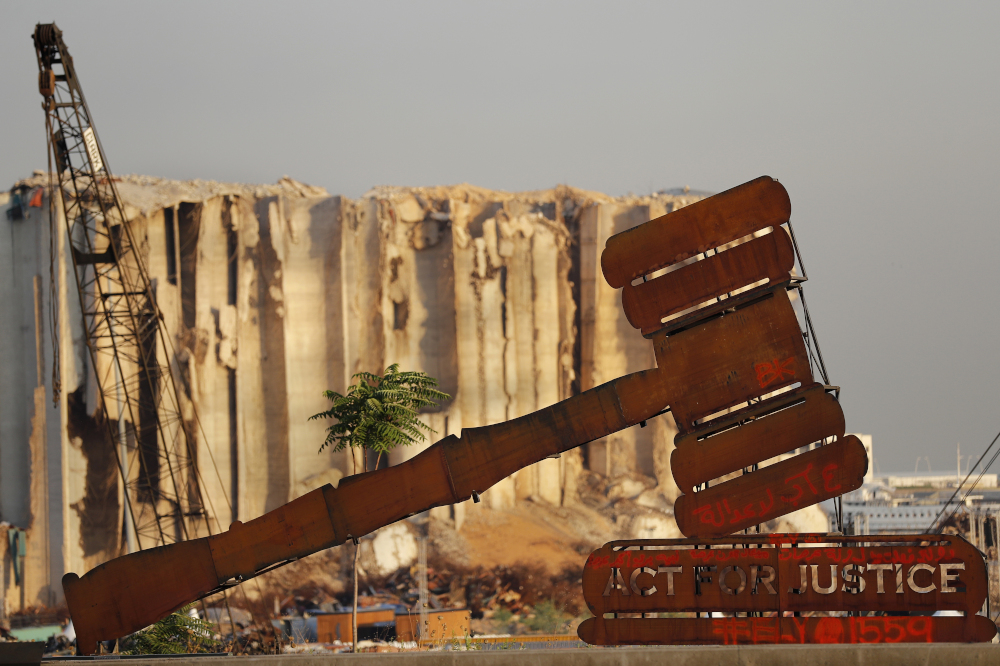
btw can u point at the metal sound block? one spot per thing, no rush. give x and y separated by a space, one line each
689 231
735 357
773 491
769 258
754 434
776 575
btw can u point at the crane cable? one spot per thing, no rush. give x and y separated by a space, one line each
816 359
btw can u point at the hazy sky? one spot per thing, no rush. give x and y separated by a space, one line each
881 119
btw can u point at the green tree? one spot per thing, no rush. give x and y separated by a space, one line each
178 633
378 413
547 618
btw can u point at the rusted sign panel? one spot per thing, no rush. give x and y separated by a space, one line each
702 226
786 573
773 491
727 360
786 630
768 258
752 435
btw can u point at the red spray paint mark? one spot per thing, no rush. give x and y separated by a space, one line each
769 372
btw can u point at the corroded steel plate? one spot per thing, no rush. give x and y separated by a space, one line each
769 257
121 596
773 491
769 428
779 573
707 224
732 358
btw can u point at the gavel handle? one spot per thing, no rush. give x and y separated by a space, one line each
128 593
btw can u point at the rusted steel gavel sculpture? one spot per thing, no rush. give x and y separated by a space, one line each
736 347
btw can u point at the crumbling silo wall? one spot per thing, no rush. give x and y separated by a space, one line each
273 294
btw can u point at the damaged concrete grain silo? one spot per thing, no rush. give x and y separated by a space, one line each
273 294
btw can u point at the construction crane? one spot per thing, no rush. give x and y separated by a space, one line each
130 351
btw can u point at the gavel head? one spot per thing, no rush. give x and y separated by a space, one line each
709 285
682 272
673 267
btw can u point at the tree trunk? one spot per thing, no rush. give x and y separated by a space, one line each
354 612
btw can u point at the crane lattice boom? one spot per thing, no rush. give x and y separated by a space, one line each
130 351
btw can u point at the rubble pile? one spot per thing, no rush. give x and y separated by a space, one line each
482 590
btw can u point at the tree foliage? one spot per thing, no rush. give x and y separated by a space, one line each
178 633
379 412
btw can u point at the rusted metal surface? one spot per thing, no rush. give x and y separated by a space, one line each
133 591
752 435
786 573
786 630
773 491
769 257
442 625
682 322
692 230
728 360
484 456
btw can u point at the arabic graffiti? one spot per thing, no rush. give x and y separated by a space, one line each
764 630
870 556
797 490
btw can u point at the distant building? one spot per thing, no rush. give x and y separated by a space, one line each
871 518
930 480
922 503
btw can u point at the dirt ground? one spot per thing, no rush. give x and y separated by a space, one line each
533 534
